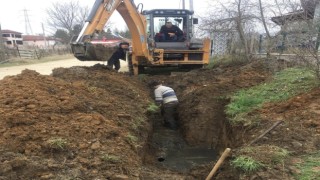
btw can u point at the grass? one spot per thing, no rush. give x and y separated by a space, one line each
250 159
58 143
137 123
284 85
246 164
142 77
153 108
212 63
310 167
226 60
110 158
131 139
280 155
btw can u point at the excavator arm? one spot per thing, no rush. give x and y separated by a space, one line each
100 13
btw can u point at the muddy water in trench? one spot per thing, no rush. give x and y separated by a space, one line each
173 152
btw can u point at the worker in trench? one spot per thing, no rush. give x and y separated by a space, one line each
166 98
120 53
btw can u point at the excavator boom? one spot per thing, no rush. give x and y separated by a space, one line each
82 45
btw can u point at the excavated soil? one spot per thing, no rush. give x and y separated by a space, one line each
84 123
91 123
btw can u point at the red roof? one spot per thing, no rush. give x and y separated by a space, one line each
36 38
10 31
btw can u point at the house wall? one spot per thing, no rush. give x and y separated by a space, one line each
12 40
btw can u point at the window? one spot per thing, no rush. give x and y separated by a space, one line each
160 21
148 25
9 42
17 35
5 35
19 42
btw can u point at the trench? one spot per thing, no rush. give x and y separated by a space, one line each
168 149
173 152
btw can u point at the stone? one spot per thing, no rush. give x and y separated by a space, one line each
120 177
95 145
296 144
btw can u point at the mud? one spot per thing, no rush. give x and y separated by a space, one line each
169 150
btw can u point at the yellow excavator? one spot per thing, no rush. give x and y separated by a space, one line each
144 25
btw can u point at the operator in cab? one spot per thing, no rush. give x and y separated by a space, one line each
120 53
170 33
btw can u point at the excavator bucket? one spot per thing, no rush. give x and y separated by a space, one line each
94 51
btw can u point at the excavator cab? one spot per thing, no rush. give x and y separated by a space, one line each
179 50
181 18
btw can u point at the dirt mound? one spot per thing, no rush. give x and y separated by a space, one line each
80 122
297 135
300 131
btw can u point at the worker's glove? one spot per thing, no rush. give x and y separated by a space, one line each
171 34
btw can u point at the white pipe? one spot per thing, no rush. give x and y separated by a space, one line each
82 31
191 5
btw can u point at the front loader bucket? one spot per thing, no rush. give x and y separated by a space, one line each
93 52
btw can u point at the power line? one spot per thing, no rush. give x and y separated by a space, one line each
28 28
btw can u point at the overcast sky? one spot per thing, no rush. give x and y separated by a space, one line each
12 14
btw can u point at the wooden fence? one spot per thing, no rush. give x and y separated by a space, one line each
28 54
31 53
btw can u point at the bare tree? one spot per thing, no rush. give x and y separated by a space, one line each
265 12
235 16
239 25
263 19
66 16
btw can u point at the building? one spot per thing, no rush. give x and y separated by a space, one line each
299 28
12 38
39 41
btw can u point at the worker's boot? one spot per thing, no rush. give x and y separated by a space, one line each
109 67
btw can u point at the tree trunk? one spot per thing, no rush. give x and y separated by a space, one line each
241 32
266 29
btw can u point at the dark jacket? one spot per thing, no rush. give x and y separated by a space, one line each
118 54
174 29
114 59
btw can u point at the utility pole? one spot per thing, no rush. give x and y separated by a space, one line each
183 4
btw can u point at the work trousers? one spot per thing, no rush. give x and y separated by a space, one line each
170 114
114 62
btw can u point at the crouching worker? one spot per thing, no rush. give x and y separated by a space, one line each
166 98
120 53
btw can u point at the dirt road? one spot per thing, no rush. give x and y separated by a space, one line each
47 67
